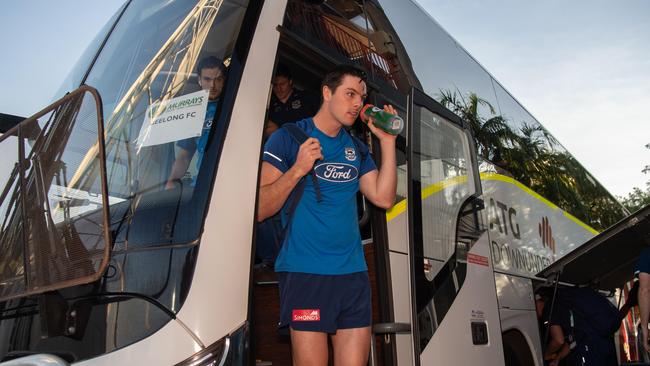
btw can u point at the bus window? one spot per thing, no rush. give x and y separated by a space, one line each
150 88
146 68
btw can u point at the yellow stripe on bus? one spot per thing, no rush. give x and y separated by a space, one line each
396 210
577 221
506 179
400 207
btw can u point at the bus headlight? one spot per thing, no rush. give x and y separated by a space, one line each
229 350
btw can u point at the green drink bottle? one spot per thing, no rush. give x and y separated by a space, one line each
385 121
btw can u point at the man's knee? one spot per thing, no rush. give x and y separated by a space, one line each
309 348
351 346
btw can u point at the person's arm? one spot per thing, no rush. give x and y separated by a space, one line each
269 128
276 186
644 307
555 342
562 353
380 186
179 167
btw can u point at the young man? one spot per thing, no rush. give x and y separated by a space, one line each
211 77
557 348
287 103
324 287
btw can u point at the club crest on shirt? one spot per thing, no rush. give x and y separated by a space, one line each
338 173
350 154
296 104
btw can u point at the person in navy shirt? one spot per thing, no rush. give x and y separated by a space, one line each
581 326
323 278
288 104
211 77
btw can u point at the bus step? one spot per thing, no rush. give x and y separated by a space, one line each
265 275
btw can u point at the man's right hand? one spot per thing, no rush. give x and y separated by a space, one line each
644 338
309 152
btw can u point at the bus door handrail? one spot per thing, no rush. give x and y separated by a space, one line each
385 329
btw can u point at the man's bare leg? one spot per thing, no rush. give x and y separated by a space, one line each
351 346
308 348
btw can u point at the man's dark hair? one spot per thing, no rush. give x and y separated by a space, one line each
210 62
334 78
282 70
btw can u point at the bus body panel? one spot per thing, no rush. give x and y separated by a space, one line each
527 232
218 299
524 322
517 310
401 289
398 227
514 292
169 345
476 302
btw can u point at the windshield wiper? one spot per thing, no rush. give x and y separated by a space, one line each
118 296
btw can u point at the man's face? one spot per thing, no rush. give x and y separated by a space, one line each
346 102
212 80
282 87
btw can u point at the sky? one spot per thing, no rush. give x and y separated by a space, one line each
41 41
581 67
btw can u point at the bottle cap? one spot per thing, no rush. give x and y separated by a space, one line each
362 114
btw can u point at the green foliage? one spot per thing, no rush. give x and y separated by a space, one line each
533 157
638 198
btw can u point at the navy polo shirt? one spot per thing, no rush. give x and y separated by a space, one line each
643 263
300 105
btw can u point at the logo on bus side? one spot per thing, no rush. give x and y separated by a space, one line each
507 249
546 233
338 173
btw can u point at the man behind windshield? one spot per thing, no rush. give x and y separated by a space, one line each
211 77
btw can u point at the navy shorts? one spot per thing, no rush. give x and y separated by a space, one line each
324 303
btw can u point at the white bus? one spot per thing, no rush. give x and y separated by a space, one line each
101 265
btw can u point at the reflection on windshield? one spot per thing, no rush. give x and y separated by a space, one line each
136 169
527 152
146 75
153 102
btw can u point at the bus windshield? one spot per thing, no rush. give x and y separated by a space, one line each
167 85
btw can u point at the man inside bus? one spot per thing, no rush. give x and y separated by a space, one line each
211 77
288 104
324 285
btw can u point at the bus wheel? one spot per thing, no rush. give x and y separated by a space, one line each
515 349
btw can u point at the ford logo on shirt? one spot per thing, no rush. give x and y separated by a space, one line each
336 172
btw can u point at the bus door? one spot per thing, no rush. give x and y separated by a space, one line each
440 265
